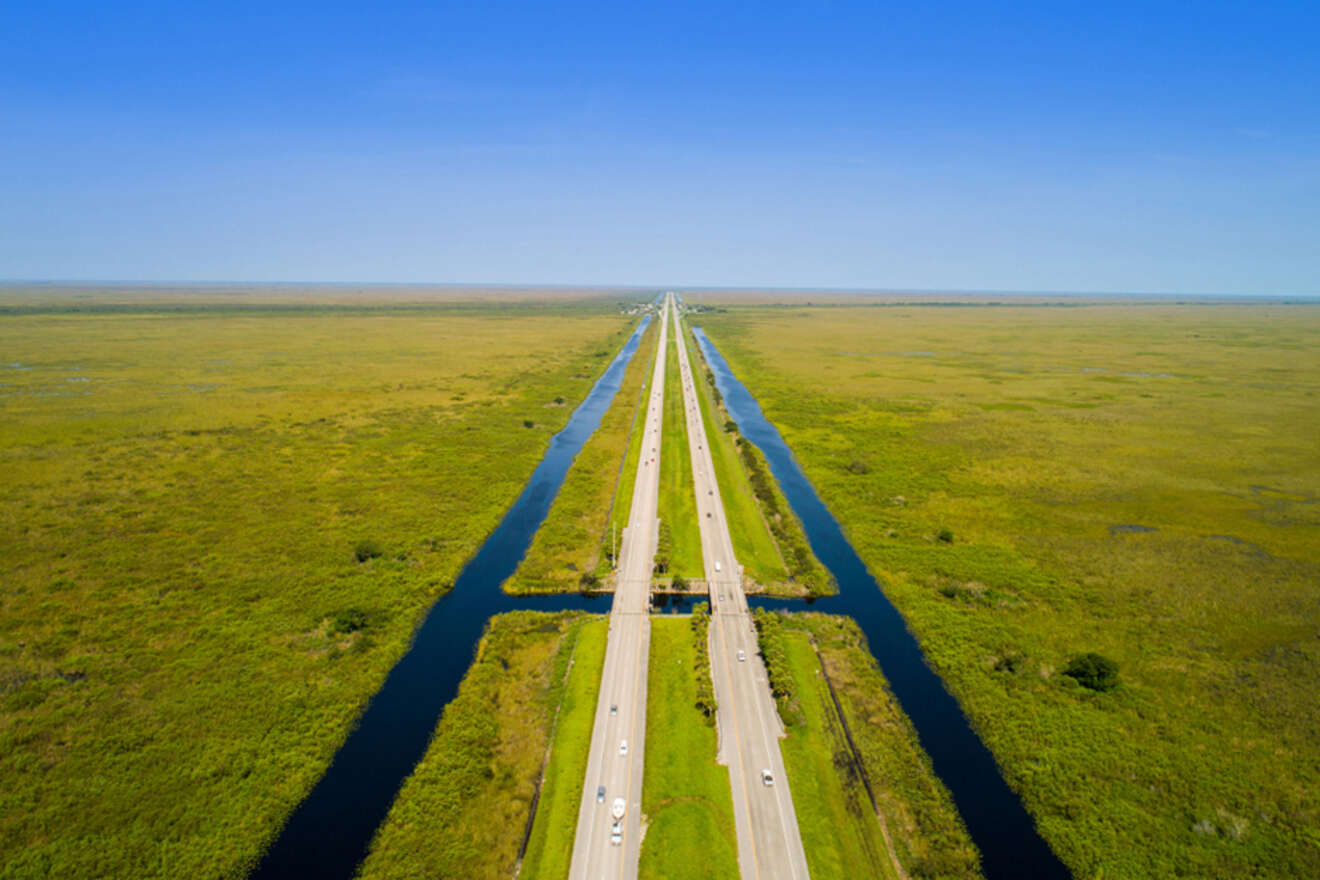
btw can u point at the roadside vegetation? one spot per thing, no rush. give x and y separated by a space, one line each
857 763
686 800
760 529
1135 481
464 810
221 528
573 548
678 551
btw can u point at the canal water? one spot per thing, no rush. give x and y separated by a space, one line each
328 834
999 825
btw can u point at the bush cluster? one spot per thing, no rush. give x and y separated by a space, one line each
770 633
797 553
701 669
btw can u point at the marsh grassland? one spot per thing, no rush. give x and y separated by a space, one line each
1138 480
220 527
464 810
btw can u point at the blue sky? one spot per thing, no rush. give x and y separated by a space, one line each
1058 146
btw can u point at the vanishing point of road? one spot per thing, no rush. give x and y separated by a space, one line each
619 734
769 844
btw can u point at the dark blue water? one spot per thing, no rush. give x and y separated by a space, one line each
999 825
328 834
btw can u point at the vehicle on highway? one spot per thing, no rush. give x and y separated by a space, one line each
742 658
616 833
767 777
600 794
614 709
717 565
617 808
708 517
623 747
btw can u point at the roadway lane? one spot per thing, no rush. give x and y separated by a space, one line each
769 843
621 706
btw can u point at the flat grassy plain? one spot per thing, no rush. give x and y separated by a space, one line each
220 528
463 810
1137 479
680 533
574 540
686 799
754 542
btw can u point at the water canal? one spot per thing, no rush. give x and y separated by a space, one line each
999 825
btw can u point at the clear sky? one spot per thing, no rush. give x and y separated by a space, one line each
1031 146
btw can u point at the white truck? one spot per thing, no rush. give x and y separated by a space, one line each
717 565
616 828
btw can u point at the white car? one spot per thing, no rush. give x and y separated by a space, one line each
742 656
767 777
623 747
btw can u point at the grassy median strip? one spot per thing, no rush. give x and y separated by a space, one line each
463 811
572 548
685 796
679 549
221 529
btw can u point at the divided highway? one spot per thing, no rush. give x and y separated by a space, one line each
769 843
602 848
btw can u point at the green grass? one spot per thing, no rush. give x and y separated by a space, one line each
840 833
463 810
750 527
685 795
920 824
1196 421
550 847
574 539
182 498
677 503
626 480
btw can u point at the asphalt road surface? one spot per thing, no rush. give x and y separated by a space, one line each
769 844
621 706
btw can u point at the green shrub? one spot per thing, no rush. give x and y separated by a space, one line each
946 536
1094 671
348 620
365 550
679 584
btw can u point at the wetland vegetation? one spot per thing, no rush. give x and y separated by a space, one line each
223 525
1133 480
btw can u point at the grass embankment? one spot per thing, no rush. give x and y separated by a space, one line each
679 549
919 825
767 536
1138 480
685 794
220 530
463 810
626 481
571 550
